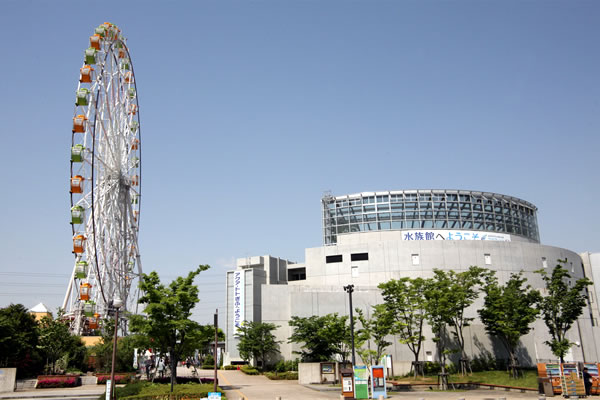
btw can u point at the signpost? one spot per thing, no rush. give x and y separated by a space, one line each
378 381
361 382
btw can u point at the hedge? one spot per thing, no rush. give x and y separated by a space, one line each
57 381
153 391
184 379
120 378
248 370
289 375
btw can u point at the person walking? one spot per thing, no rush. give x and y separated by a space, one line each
587 382
161 368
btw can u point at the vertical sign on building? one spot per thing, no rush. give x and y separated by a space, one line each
238 300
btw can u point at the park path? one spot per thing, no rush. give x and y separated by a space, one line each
239 386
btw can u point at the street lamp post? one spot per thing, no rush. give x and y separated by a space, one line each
116 304
350 289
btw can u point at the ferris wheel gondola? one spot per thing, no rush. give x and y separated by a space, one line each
105 183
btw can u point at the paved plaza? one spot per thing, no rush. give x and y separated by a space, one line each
239 386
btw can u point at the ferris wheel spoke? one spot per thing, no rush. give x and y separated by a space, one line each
105 182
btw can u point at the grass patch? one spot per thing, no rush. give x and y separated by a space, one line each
529 379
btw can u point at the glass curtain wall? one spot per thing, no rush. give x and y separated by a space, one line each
455 210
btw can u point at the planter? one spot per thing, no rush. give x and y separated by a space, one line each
57 381
120 378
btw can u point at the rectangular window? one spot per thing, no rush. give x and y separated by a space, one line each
415 259
359 257
333 259
488 259
382 199
354 271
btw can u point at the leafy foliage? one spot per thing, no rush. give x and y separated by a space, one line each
56 343
452 293
375 329
168 310
102 352
405 302
19 339
321 338
508 312
257 341
146 390
249 370
45 382
562 305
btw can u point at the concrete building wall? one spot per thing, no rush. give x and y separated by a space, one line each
390 257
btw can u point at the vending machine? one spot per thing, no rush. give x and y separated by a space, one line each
593 371
569 368
553 372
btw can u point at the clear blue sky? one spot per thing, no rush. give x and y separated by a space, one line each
250 110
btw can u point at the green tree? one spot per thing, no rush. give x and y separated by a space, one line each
562 305
59 347
374 329
257 341
437 308
200 339
54 341
168 310
321 338
18 340
405 301
462 290
508 312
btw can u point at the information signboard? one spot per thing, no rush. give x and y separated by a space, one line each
378 381
361 382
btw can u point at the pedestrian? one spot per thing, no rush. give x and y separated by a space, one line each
161 368
587 382
148 367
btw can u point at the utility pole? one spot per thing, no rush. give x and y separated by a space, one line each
216 346
350 289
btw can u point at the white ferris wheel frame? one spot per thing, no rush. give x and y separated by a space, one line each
111 189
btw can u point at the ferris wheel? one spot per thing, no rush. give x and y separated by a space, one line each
105 184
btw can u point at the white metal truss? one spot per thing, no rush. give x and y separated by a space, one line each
109 203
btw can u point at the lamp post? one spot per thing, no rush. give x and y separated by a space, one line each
350 289
116 304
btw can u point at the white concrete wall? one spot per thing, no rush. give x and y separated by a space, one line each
390 258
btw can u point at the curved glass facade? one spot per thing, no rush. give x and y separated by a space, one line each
428 209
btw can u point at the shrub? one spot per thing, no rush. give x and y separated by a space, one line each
248 370
184 391
131 389
286 365
209 362
484 362
230 367
119 378
58 381
288 375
